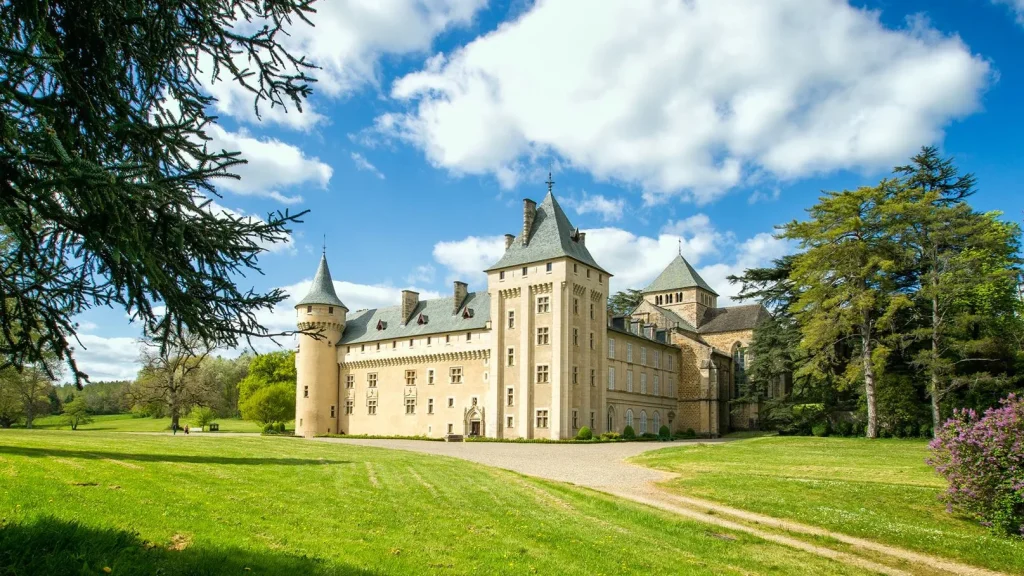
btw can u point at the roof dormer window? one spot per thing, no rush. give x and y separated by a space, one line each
467 313
381 325
422 319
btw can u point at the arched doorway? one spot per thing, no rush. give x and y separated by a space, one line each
474 421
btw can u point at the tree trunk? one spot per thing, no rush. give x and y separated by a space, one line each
869 375
936 415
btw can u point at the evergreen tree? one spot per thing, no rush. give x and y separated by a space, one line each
624 301
108 174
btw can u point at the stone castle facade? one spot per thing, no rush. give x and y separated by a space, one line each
536 355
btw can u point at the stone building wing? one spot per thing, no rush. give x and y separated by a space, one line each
550 236
732 319
669 319
428 317
322 290
677 275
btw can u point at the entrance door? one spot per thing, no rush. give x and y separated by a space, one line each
474 428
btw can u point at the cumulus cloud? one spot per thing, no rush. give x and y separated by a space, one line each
347 43
272 165
466 259
363 164
610 209
103 358
688 98
1016 6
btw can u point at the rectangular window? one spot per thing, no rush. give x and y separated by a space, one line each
469 336
591 310
410 405
430 376
524 270
501 275
657 385
611 348
575 374
575 268
542 373
643 356
510 396
450 426
657 359
508 422
305 391
455 374
593 377
371 406
330 309
576 306
611 378
629 351
332 411
592 415
378 346
511 319
394 344
575 337
511 356
629 380
542 336
451 402
410 377
371 380
410 342
309 309
428 340
591 340
575 420
348 406
430 405
548 267
362 347
543 304
643 383
542 418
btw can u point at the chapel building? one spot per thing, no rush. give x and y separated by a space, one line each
535 355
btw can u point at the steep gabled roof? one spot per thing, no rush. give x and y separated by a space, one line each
551 236
677 275
322 290
436 314
732 319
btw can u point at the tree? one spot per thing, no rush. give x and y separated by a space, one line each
108 171
223 376
625 301
202 416
772 286
76 413
170 376
33 386
11 406
274 403
844 278
930 173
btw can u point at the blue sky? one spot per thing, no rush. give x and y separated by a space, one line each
703 123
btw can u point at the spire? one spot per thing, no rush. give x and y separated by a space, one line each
550 182
677 275
322 290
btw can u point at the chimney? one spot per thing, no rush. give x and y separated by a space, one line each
460 295
582 238
409 301
508 240
529 213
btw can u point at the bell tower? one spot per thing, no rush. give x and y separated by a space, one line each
321 316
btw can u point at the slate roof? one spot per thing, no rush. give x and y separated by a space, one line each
322 290
361 326
678 274
551 236
732 318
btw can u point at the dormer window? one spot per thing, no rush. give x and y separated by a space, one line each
381 325
422 319
467 313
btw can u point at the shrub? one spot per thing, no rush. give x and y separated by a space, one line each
629 433
820 430
649 436
202 416
664 432
610 436
982 460
280 426
584 433
686 434
844 428
268 427
925 431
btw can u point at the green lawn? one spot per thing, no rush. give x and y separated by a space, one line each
75 503
877 489
127 423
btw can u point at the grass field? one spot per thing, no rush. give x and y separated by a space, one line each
126 423
76 503
877 489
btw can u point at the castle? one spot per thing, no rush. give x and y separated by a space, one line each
536 355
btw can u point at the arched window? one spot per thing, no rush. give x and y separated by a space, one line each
739 365
657 422
643 422
611 419
629 417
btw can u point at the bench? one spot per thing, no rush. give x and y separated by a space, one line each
453 437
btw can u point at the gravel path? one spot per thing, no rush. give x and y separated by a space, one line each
603 467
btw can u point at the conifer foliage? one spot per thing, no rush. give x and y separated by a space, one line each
108 174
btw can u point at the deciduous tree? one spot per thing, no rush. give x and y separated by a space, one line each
170 375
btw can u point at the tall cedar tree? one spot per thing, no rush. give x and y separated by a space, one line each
844 281
623 302
107 171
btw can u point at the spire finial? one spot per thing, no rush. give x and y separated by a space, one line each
550 182
680 246
325 246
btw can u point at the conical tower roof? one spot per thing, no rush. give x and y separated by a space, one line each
677 275
551 236
322 291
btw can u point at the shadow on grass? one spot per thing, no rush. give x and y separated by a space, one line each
55 547
183 458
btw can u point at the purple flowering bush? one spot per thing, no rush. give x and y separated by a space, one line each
983 460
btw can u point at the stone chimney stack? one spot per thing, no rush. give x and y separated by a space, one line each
529 213
460 295
509 238
409 301
583 238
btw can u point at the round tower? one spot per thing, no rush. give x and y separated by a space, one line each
317 409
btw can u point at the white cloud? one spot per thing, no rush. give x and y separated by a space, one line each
107 358
609 209
347 41
1017 6
272 164
363 164
765 195
421 274
688 98
466 259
